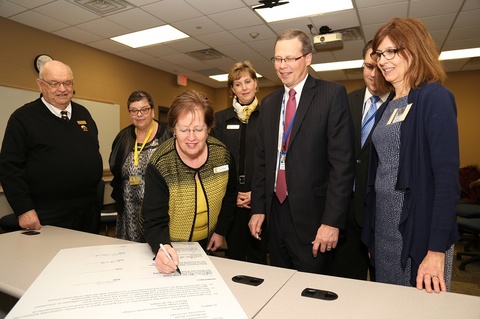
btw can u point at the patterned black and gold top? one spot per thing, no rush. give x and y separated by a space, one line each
170 200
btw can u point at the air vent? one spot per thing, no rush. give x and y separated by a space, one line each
206 54
103 7
350 34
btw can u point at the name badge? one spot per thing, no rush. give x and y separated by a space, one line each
282 158
233 126
135 180
399 114
220 169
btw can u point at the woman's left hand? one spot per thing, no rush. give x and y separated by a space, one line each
431 272
215 242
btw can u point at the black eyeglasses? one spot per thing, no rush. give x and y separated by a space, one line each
277 60
56 85
144 111
388 54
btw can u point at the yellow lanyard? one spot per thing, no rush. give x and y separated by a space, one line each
135 150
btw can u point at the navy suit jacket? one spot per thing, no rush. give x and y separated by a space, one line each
319 162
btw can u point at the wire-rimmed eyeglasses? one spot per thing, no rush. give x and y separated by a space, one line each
388 54
278 60
143 110
56 85
182 130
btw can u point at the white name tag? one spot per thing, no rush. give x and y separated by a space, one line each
233 126
399 114
223 168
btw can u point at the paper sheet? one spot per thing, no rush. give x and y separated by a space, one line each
121 281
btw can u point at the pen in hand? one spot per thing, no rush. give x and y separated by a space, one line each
169 257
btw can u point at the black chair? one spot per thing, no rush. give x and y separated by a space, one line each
108 217
470 226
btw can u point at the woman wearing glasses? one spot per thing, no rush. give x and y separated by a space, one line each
190 183
413 184
131 151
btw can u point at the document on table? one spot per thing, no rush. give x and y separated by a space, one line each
121 281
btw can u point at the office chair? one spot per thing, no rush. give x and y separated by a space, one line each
472 227
469 228
108 217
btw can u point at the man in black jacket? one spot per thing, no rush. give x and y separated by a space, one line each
50 164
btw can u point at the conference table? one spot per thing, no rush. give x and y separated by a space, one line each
278 296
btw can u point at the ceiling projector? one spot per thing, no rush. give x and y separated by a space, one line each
328 42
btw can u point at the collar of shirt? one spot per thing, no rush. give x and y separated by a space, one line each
298 90
56 111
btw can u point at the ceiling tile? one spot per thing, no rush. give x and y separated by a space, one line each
219 39
8 9
66 12
104 28
383 13
427 8
209 7
172 10
39 21
198 26
77 35
137 19
230 19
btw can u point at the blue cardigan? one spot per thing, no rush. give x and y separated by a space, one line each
427 174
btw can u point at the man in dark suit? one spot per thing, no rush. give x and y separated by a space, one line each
309 159
350 259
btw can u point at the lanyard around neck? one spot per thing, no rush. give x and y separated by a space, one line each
135 149
286 132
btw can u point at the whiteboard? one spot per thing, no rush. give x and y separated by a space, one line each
106 115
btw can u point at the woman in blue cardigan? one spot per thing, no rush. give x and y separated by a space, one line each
413 184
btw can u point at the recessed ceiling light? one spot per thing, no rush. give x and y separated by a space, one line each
224 77
342 65
151 36
302 8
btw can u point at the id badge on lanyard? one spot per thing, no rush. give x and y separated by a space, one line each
281 160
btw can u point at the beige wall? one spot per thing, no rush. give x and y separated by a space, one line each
104 77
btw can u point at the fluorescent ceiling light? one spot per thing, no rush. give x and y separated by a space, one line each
460 54
224 77
302 8
343 65
151 36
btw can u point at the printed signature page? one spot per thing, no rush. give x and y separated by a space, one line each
121 281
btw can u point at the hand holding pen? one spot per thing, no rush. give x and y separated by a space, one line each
169 264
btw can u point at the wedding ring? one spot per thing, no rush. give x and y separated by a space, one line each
434 276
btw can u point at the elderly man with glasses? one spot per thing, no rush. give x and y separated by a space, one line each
50 164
